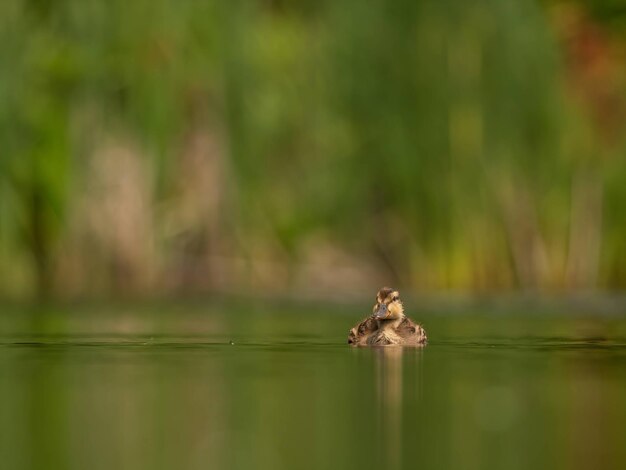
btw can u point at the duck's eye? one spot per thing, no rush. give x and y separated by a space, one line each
394 299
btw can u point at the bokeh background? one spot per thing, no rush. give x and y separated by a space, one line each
311 147
198 199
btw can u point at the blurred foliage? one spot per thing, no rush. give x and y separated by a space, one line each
182 145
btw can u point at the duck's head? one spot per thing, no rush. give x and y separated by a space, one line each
388 305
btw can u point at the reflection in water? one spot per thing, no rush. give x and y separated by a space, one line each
390 388
174 393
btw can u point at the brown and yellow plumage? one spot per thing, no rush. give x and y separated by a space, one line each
388 325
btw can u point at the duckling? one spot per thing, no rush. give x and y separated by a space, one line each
388 325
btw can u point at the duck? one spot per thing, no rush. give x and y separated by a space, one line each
388 325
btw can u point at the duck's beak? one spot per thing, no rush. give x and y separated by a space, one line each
382 311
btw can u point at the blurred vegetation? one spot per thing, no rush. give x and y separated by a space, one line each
176 146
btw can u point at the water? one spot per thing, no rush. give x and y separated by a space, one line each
238 388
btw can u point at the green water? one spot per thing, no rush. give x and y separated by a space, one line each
124 389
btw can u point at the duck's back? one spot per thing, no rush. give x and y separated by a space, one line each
360 334
368 333
411 333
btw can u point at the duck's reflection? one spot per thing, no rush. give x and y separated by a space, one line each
390 388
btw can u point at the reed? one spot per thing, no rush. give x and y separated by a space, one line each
166 146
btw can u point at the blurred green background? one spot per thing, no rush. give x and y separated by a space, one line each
271 146
227 183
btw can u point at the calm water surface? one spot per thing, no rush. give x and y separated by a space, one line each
232 388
